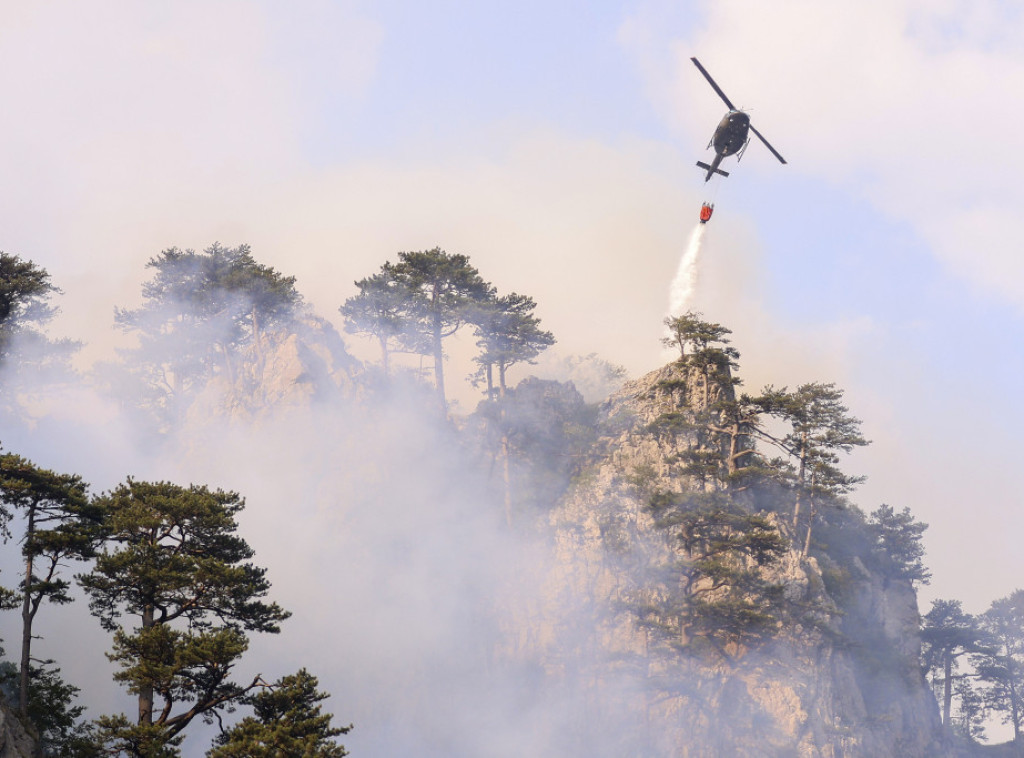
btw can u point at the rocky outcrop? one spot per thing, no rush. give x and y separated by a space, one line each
14 740
839 679
293 368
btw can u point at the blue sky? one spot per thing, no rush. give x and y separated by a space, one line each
447 69
554 143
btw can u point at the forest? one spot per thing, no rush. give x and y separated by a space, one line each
741 484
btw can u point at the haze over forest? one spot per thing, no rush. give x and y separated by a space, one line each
557 155
436 563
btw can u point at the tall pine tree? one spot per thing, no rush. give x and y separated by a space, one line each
172 561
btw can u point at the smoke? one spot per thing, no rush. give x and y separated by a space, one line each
684 284
437 629
382 528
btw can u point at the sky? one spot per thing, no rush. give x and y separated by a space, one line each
554 143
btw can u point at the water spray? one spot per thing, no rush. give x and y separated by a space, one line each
685 282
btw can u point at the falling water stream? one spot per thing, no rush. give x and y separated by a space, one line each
685 282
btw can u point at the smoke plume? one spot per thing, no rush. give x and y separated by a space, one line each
382 531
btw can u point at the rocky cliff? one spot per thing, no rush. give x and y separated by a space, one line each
835 675
294 367
14 740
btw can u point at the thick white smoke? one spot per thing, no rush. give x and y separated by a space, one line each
685 282
383 532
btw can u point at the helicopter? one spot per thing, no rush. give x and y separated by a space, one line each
731 136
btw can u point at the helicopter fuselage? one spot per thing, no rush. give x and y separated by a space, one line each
731 134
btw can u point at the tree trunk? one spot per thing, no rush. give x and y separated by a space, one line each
1014 711
505 452
146 690
229 370
506 474
26 618
812 512
257 342
384 355
947 692
800 484
439 365
734 446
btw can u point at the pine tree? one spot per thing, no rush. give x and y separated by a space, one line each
507 333
26 294
947 635
705 346
57 722
721 544
287 722
204 314
442 291
723 597
378 310
60 524
1001 664
820 428
898 548
173 562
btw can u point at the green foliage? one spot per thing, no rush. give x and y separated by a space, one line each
25 292
643 479
417 303
288 721
971 716
172 560
60 521
442 289
898 550
378 310
947 630
177 552
723 596
507 333
117 736
703 346
545 429
25 310
1000 664
706 341
427 296
220 285
56 722
181 666
442 292
820 428
204 314
60 525
947 634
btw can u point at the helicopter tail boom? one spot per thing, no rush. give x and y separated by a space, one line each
711 169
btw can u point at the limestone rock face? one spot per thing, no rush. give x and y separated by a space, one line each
291 369
14 740
840 679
